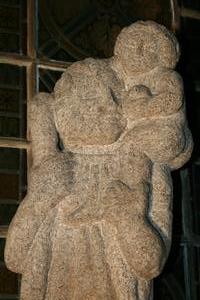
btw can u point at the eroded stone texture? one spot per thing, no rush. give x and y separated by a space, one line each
96 222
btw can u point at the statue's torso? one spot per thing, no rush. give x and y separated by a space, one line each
105 183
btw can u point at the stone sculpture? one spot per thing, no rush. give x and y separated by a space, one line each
96 221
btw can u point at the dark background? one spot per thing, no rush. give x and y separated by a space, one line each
69 31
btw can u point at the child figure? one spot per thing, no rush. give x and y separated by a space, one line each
96 222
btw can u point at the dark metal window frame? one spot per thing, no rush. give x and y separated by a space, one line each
32 65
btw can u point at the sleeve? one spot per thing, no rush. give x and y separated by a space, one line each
165 98
42 128
44 189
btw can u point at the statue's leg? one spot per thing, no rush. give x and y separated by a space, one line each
79 269
70 262
125 283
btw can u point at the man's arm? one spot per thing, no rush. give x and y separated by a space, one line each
38 199
42 128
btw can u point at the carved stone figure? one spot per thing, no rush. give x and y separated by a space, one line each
96 221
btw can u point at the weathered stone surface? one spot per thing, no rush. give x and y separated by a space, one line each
96 222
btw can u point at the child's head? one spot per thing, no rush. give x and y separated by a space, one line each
145 45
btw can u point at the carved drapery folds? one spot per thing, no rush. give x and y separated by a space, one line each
96 221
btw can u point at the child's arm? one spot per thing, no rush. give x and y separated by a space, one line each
164 99
167 98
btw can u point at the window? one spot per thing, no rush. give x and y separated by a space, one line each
39 39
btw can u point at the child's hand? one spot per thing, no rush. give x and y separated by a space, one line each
138 91
136 101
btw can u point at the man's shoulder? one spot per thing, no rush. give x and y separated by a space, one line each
84 73
88 66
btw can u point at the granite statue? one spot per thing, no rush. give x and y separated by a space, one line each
96 221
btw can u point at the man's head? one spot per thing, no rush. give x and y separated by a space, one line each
145 45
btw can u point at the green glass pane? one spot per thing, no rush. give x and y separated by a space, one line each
9 19
9 186
73 30
10 75
8 282
9 42
13 177
10 2
7 212
2 246
9 158
13 26
48 80
12 101
170 285
9 127
9 101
